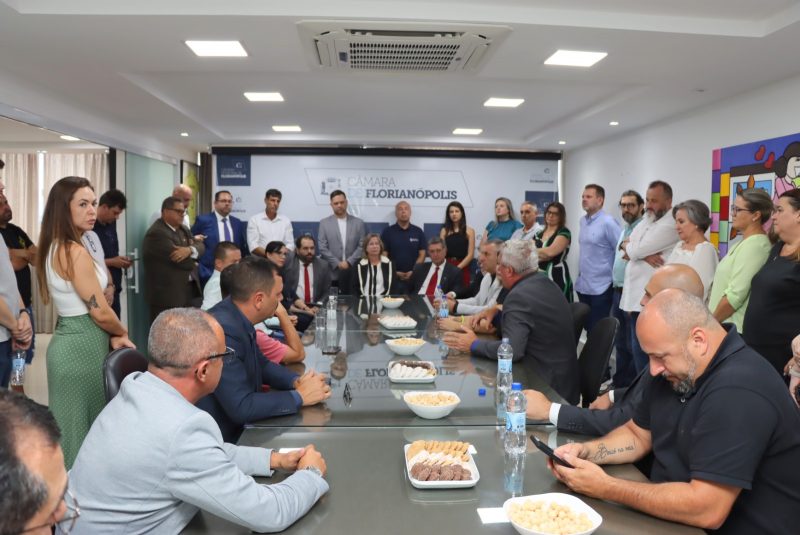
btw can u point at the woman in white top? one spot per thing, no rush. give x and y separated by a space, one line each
86 324
375 271
692 219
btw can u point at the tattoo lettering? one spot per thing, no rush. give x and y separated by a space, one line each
603 451
91 302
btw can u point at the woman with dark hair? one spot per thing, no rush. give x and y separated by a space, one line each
276 252
68 275
730 292
692 219
459 239
504 223
552 244
375 272
772 318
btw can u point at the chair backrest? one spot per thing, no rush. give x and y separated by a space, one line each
580 311
594 358
118 365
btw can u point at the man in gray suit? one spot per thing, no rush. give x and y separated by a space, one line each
152 459
537 321
340 239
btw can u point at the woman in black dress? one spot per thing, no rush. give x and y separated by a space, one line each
459 239
552 244
772 318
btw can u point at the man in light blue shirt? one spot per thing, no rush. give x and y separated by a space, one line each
599 237
631 205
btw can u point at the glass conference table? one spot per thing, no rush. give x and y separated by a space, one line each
370 491
363 395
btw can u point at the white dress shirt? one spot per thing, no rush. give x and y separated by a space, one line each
487 296
261 230
649 237
342 221
430 274
703 259
212 293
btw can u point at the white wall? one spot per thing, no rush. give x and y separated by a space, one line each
678 151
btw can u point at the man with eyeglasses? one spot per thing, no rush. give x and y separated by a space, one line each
32 476
152 459
170 256
219 226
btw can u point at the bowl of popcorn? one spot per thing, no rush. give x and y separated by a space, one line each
432 405
406 345
392 302
551 514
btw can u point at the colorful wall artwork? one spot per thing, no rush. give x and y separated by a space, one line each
772 165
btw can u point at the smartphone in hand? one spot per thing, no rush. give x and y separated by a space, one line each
547 450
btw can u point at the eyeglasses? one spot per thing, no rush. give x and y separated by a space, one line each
552 213
67 523
735 210
625 205
178 210
227 356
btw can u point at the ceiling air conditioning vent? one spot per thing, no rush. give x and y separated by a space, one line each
399 47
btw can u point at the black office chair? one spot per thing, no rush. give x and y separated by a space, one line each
594 358
580 311
118 365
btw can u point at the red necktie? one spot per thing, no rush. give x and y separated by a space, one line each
433 282
307 284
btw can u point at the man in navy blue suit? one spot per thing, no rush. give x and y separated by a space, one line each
255 291
219 226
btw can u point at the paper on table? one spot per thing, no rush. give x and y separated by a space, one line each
288 450
472 450
492 515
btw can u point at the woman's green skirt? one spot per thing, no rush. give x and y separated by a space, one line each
75 379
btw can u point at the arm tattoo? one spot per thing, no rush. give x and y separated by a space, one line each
91 303
603 451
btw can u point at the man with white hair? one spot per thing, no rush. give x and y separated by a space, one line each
528 213
185 194
536 319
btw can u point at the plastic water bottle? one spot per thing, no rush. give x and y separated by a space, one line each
17 381
515 421
444 312
505 356
514 473
331 315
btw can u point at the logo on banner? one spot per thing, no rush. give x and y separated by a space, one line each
233 170
386 187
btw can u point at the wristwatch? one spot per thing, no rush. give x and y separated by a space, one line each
314 469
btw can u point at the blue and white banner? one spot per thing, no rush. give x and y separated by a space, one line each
233 170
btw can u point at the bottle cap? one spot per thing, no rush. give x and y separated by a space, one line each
516 386
505 340
481 392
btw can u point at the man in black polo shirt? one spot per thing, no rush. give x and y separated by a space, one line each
21 249
405 244
109 208
723 429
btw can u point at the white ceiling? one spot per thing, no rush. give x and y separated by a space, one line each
20 137
124 63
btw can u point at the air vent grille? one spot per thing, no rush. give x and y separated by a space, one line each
402 56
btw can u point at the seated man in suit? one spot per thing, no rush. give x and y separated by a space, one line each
152 459
437 272
170 256
621 403
306 278
255 292
226 253
536 319
219 226
340 240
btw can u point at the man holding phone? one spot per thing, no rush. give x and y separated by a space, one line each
718 421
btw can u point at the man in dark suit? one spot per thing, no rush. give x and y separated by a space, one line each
437 272
536 319
307 278
255 291
219 226
170 259
616 407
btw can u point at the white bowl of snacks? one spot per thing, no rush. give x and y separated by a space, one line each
392 302
432 405
406 345
546 514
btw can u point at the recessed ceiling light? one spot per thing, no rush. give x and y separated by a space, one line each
613 123
184 134
263 97
575 58
496 102
468 131
287 128
562 142
217 49
70 138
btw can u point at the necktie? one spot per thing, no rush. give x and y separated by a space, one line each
433 282
307 284
225 227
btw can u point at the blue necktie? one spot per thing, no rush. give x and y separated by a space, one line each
225 226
